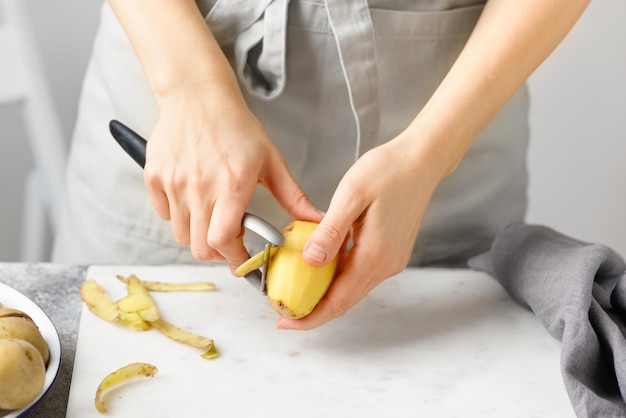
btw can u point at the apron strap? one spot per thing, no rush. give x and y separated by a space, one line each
352 26
257 31
228 18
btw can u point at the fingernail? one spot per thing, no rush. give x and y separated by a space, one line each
315 252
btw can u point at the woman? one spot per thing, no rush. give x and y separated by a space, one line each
405 121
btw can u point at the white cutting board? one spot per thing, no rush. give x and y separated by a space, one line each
428 342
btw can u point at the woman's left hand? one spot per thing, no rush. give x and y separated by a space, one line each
382 198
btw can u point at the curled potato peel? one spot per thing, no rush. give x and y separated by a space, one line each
121 376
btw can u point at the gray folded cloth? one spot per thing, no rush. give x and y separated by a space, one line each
578 290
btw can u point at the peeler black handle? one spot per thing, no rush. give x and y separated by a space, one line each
131 141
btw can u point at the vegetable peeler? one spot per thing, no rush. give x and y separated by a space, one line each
135 146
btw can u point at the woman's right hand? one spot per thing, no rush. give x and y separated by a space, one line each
205 156
207 151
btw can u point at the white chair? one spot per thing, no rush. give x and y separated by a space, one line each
23 80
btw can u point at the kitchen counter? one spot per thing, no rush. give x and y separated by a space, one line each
435 343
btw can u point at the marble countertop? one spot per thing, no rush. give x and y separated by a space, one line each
444 344
55 288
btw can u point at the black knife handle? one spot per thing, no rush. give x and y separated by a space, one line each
131 141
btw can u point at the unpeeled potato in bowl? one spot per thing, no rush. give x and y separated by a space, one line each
22 373
23 357
17 324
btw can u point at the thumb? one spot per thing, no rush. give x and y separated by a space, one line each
327 239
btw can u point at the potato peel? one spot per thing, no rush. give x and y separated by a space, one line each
170 287
253 263
138 312
134 322
211 354
182 336
121 376
98 301
140 303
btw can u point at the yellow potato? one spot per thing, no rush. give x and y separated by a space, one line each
17 324
22 373
294 288
121 376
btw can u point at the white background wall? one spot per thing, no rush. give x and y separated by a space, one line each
578 151
65 30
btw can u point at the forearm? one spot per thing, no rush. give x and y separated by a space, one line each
510 40
174 44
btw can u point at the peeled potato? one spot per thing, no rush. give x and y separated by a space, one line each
22 373
17 324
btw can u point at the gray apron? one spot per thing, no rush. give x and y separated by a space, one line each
329 80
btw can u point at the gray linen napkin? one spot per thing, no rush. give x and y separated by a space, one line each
578 290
